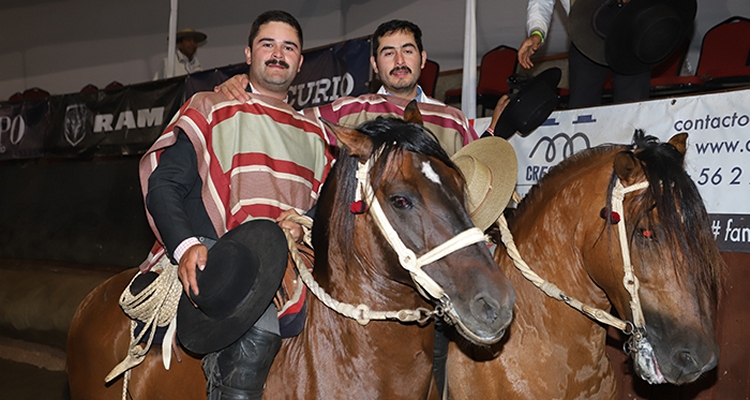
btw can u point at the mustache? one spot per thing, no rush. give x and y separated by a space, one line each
279 62
403 67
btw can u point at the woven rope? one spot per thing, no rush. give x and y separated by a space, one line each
155 306
361 313
629 281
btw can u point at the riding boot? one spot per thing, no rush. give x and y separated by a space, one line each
239 371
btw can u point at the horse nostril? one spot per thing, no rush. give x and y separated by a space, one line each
687 361
485 309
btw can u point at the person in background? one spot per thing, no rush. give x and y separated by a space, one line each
185 60
585 77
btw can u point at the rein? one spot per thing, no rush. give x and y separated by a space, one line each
637 345
361 313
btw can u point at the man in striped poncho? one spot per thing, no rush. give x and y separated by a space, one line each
218 171
397 58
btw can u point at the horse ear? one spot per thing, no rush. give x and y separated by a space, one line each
626 167
412 114
679 141
358 143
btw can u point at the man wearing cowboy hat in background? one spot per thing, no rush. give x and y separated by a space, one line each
624 37
185 61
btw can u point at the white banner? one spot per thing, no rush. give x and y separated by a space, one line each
717 158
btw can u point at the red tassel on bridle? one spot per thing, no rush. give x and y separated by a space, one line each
612 216
358 207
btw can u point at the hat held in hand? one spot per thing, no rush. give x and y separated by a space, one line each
630 37
243 272
531 105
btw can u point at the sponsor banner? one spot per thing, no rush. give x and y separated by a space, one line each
717 159
107 123
22 127
205 81
339 70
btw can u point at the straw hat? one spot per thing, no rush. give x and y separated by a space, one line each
199 37
490 167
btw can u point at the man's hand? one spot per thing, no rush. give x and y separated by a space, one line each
234 88
194 257
499 107
528 48
294 228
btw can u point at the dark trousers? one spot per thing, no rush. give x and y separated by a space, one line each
586 81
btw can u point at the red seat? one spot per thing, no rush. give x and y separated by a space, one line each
497 65
428 78
16 97
36 94
90 88
723 61
666 79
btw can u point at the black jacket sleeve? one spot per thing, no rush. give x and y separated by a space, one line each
174 196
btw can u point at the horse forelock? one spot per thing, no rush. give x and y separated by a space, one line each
390 137
681 212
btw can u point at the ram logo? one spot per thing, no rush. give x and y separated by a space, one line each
127 119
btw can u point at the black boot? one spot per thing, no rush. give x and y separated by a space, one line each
239 371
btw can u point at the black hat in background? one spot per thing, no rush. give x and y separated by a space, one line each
630 38
244 271
531 105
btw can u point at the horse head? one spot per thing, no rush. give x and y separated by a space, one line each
676 266
395 216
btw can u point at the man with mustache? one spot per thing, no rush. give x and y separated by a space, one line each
397 58
219 170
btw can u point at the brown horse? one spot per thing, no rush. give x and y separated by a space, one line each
554 352
421 195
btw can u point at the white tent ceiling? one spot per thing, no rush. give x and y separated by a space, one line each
62 45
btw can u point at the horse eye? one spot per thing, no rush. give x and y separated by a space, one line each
400 202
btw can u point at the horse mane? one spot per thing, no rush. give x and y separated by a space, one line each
536 194
390 138
679 205
685 225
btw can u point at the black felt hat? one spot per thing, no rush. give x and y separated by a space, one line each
630 38
531 105
238 284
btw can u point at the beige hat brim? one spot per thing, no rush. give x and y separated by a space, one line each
493 156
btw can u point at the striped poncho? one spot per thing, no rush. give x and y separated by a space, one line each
255 159
448 124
